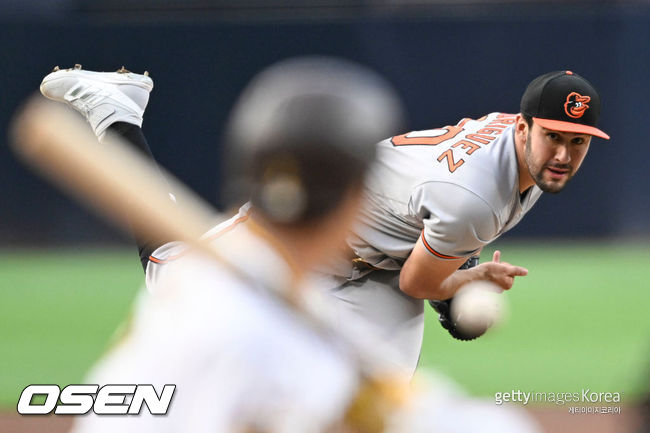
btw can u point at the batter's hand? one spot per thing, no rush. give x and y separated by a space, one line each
501 273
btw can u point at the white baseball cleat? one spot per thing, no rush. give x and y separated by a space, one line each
102 97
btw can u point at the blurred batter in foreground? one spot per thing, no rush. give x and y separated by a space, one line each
300 141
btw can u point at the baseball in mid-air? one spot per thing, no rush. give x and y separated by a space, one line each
477 306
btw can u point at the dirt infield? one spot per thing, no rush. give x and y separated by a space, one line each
560 420
12 422
551 419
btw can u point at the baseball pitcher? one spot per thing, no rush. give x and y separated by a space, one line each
435 198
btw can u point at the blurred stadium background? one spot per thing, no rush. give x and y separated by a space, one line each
579 320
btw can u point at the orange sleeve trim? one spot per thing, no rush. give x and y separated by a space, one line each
225 230
434 252
167 260
210 238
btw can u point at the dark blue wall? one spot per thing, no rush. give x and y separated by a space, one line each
445 66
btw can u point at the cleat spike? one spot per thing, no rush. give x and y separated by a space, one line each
77 66
123 70
146 73
56 68
103 98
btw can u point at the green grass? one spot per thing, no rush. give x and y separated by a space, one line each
578 320
58 310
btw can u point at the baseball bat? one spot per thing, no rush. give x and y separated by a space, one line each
123 186
111 177
117 181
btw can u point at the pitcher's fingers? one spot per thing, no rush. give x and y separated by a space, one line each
496 258
517 271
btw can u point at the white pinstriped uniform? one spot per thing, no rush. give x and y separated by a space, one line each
240 360
455 189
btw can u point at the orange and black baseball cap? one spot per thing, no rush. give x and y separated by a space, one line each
563 101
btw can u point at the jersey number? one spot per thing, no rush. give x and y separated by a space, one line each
437 136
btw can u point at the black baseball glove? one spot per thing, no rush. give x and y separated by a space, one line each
443 309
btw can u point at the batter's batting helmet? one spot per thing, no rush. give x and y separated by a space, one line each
304 132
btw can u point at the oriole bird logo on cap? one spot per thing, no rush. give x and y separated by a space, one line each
576 105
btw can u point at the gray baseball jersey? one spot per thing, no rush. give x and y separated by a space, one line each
455 188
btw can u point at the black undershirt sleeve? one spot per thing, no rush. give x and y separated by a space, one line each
133 135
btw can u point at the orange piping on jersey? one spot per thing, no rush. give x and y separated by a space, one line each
434 252
210 238
225 230
170 259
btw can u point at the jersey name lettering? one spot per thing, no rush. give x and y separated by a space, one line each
466 146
